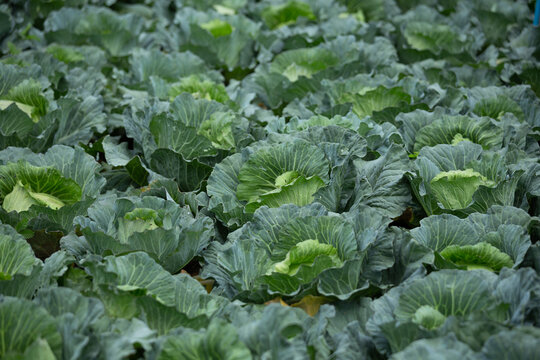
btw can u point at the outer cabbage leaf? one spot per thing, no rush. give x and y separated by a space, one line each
137 276
436 38
76 317
447 348
191 138
375 100
22 322
77 120
100 26
388 335
449 292
219 341
380 183
148 64
452 129
222 185
276 330
42 275
189 174
520 343
440 231
520 289
224 41
16 255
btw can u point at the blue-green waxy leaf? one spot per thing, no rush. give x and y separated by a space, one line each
448 292
147 64
219 341
380 183
439 231
222 185
376 100
16 255
16 121
43 274
520 343
75 316
435 38
78 120
515 287
22 322
181 138
7 21
496 107
447 347
189 174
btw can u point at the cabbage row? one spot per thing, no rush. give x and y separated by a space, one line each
291 179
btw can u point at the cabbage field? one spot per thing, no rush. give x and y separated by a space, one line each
271 179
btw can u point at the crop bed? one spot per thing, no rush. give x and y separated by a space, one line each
239 179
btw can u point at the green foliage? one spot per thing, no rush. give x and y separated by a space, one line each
270 179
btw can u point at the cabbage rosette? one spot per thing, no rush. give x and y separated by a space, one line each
170 234
271 175
426 307
488 241
462 179
289 251
47 191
